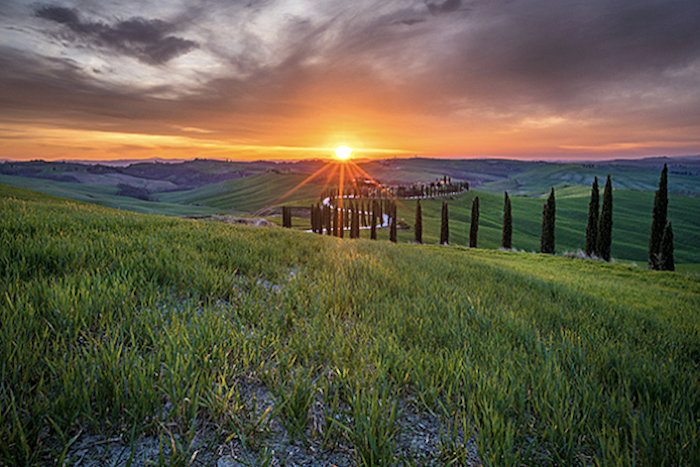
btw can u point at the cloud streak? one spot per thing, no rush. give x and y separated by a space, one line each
147 40
538 78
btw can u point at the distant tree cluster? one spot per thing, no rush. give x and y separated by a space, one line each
369 189
358 213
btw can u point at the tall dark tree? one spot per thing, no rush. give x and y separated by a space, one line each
474 224
319 218
666 260
338 222
507 237
287 217
392 229
313 218
333 210
363 213
605 223
418 227
658 221
328 219
445 225
592 226
373 227
548 220
352 214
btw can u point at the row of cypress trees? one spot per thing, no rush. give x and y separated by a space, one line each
445 224
598 228
335 220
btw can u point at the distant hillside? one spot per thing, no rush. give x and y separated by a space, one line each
520 177
201 187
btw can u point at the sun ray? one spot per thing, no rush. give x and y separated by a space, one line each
301 184
330 177
371 179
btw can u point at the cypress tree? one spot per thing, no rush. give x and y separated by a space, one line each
286 217
319 218
380 214
334 220
445 226
373 227
666 260
658 222
363 213
351 216
507 238
548 220
418 228
474 224
355 223
592 226
605 223
392 214
338 225
341 223
312 218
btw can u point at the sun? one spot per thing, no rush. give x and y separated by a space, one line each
343 152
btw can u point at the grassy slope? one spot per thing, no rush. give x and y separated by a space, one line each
632 223
102 196
250 194
538 180
552 361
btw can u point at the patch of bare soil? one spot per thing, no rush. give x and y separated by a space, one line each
418 442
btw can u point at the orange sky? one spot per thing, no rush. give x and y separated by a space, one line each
289 79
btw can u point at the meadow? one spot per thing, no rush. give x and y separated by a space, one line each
119 329
631 223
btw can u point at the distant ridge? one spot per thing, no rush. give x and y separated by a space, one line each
124 162
651 161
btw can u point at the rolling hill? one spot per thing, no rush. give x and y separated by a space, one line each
128 339
202 187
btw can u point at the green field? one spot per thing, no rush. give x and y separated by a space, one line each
250 194
103 196
631 223
120 331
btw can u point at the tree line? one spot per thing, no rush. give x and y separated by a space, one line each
334 219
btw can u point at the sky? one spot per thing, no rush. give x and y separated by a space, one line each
290 79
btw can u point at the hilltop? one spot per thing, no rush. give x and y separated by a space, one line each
131 339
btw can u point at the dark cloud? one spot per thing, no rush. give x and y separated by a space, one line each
147 40
631 65
445 6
